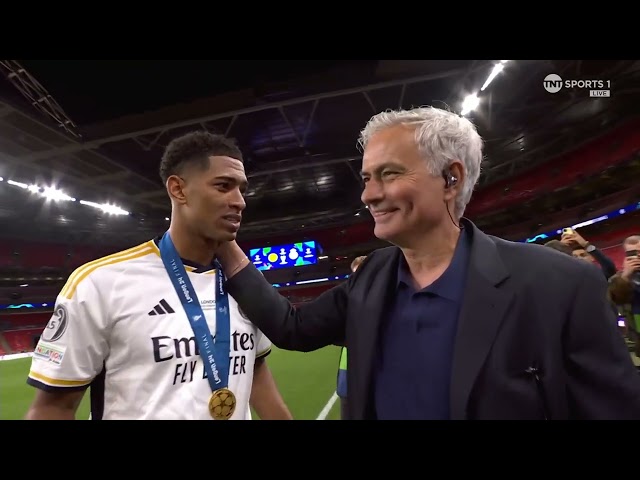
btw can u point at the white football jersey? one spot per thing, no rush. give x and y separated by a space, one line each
119 327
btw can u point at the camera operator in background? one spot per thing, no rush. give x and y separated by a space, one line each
584 250
624 289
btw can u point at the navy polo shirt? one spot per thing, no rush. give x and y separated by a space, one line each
413 371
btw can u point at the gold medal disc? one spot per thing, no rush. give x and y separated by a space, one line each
222 404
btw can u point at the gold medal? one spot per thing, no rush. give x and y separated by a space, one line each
222 404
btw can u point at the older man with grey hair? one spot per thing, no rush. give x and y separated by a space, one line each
450 323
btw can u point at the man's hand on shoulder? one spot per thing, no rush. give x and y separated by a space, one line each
232 258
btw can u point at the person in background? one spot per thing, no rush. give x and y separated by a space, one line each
560 247
567 250
341 389
624 289
584 250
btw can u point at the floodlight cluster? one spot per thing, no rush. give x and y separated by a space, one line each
471 101
56 195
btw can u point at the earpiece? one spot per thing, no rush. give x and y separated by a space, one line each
449 179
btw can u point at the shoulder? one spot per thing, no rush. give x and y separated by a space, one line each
374 262
532 254
544 263
102 271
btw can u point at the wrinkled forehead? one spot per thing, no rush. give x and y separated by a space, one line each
394 144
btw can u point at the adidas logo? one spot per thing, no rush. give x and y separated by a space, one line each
162 308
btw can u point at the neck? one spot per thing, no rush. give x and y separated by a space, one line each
429 254
191 247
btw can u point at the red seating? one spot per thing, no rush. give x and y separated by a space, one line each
21 330
27 320
614 237
34 257
566 217
21 340
82 255
7 258
331 238
303 294
616 254
590 159
611 243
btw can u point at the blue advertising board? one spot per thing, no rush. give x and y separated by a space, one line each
285 256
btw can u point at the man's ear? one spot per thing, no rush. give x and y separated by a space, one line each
176 187
456 170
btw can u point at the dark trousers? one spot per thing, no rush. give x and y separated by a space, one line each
343 409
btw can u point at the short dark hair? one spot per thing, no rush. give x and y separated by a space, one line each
196 148
631 240
561 247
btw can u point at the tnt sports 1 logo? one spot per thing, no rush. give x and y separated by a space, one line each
552 83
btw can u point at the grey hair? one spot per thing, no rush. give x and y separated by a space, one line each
442 137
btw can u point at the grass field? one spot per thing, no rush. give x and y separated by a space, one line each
306 382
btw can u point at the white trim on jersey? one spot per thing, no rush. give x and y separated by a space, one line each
118 319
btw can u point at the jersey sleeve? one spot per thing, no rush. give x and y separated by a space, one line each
263 345
73 346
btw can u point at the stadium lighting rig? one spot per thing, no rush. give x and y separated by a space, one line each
471 101
37 95
56 195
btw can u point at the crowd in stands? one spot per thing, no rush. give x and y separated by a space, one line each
622 275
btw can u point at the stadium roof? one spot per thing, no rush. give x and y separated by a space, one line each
96 129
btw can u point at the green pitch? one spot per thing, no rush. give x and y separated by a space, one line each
306 382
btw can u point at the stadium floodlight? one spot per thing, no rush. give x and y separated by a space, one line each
497 68
54 194
106 208
470 103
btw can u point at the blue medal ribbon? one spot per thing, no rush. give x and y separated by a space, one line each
214 352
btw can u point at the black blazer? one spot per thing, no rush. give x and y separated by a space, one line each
536 336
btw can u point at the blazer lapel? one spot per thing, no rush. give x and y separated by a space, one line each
378 294
485 304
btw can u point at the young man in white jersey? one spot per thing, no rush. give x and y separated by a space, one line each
151 329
